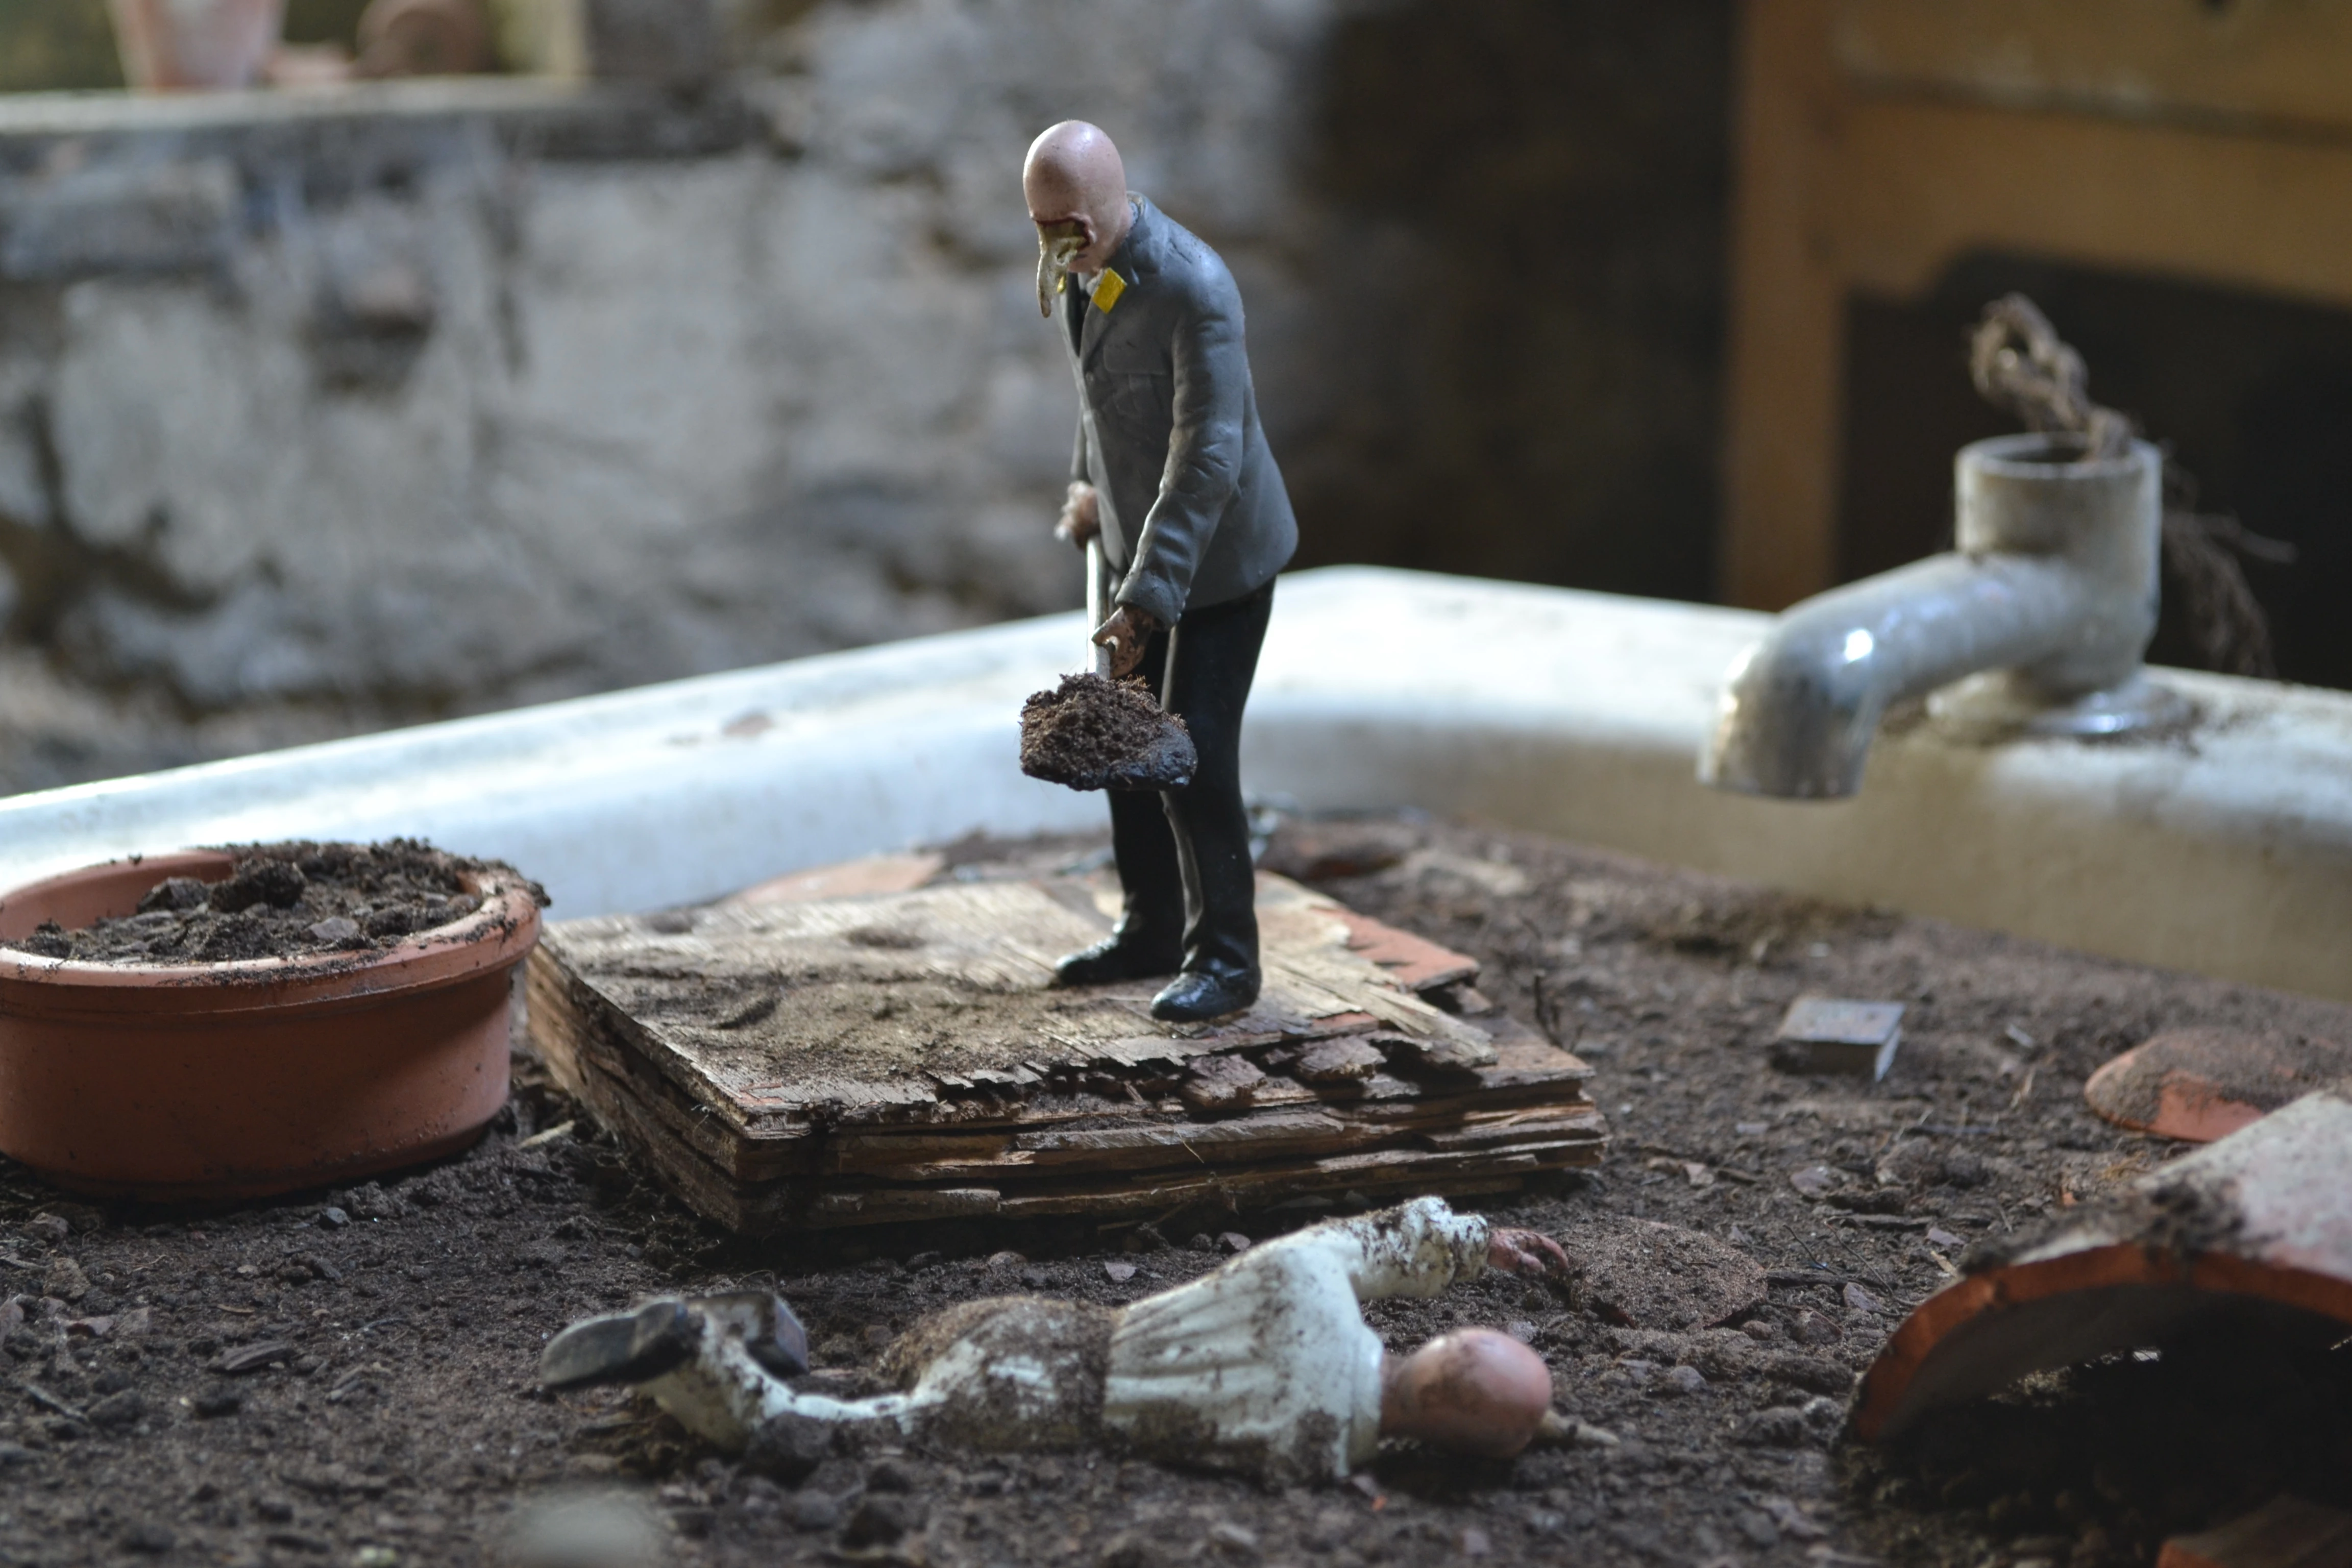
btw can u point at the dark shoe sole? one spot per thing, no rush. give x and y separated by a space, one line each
1109 969
1184 1002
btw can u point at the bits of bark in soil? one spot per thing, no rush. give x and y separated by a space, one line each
1090 733
281 901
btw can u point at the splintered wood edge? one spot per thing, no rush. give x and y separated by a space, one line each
807 1203
570 1021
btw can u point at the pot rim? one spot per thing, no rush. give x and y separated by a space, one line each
496 934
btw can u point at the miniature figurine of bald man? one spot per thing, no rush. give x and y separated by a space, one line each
1264 1366
1171 469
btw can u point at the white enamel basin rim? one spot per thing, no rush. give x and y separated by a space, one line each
1577 714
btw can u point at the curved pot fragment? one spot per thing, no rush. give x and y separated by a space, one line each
2264 1213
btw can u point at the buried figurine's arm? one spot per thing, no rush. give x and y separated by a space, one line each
1419 1248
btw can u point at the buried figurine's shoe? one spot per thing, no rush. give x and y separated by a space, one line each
621 1347
1200 994
657 1338
1117 957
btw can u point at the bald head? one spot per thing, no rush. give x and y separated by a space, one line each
1077 189
1473 1390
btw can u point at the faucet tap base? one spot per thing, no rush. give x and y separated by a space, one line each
2006 705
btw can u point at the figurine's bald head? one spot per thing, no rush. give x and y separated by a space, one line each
1076 189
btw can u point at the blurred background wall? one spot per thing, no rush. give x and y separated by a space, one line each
337 406
333 418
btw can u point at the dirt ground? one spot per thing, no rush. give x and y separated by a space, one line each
346 1378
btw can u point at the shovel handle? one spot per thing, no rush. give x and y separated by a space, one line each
1098 604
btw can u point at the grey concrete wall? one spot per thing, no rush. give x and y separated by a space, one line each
447 396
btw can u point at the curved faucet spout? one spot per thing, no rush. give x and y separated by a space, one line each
2054 582
1800 706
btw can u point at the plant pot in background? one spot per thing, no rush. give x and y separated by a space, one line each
239 1079
168 44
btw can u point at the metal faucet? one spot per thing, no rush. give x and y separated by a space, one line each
2034 624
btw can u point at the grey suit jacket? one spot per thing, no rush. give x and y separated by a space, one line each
1194 511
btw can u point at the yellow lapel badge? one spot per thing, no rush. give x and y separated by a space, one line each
1107 291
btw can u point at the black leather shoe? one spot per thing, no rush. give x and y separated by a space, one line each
1202 994
1116 958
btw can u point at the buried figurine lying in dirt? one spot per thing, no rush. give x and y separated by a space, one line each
1264 1365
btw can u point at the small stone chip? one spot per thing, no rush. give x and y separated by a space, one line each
252 1357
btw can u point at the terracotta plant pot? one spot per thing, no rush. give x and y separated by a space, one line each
195 43
234 1079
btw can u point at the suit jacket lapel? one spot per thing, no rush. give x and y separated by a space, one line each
1124 263
1075 311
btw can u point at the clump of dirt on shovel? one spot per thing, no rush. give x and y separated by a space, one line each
1092 732
282 900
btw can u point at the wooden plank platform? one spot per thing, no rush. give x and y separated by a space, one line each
905 1056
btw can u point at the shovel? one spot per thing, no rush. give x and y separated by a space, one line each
1095 732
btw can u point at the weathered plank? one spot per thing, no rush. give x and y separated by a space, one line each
856 1060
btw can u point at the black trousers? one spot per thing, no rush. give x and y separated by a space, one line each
1185 857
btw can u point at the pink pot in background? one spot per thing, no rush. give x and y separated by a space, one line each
169 44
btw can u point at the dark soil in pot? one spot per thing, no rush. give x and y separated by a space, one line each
280 901
387 1342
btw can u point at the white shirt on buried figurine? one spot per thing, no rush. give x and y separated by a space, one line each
1268 1364
1265 1365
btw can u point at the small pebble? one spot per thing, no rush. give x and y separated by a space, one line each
1860 1299
889 1476
1813 1180
1476 1542
333 1217
335 929
1119 1273
149 1537
815 1511
1814 1328
65 1281
1232 1540
1521 1330
1233 1241
1683 1380
880 1519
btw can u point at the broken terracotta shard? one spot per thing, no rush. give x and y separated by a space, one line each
863 1060
2198 1085
2262 1215
2285 1532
